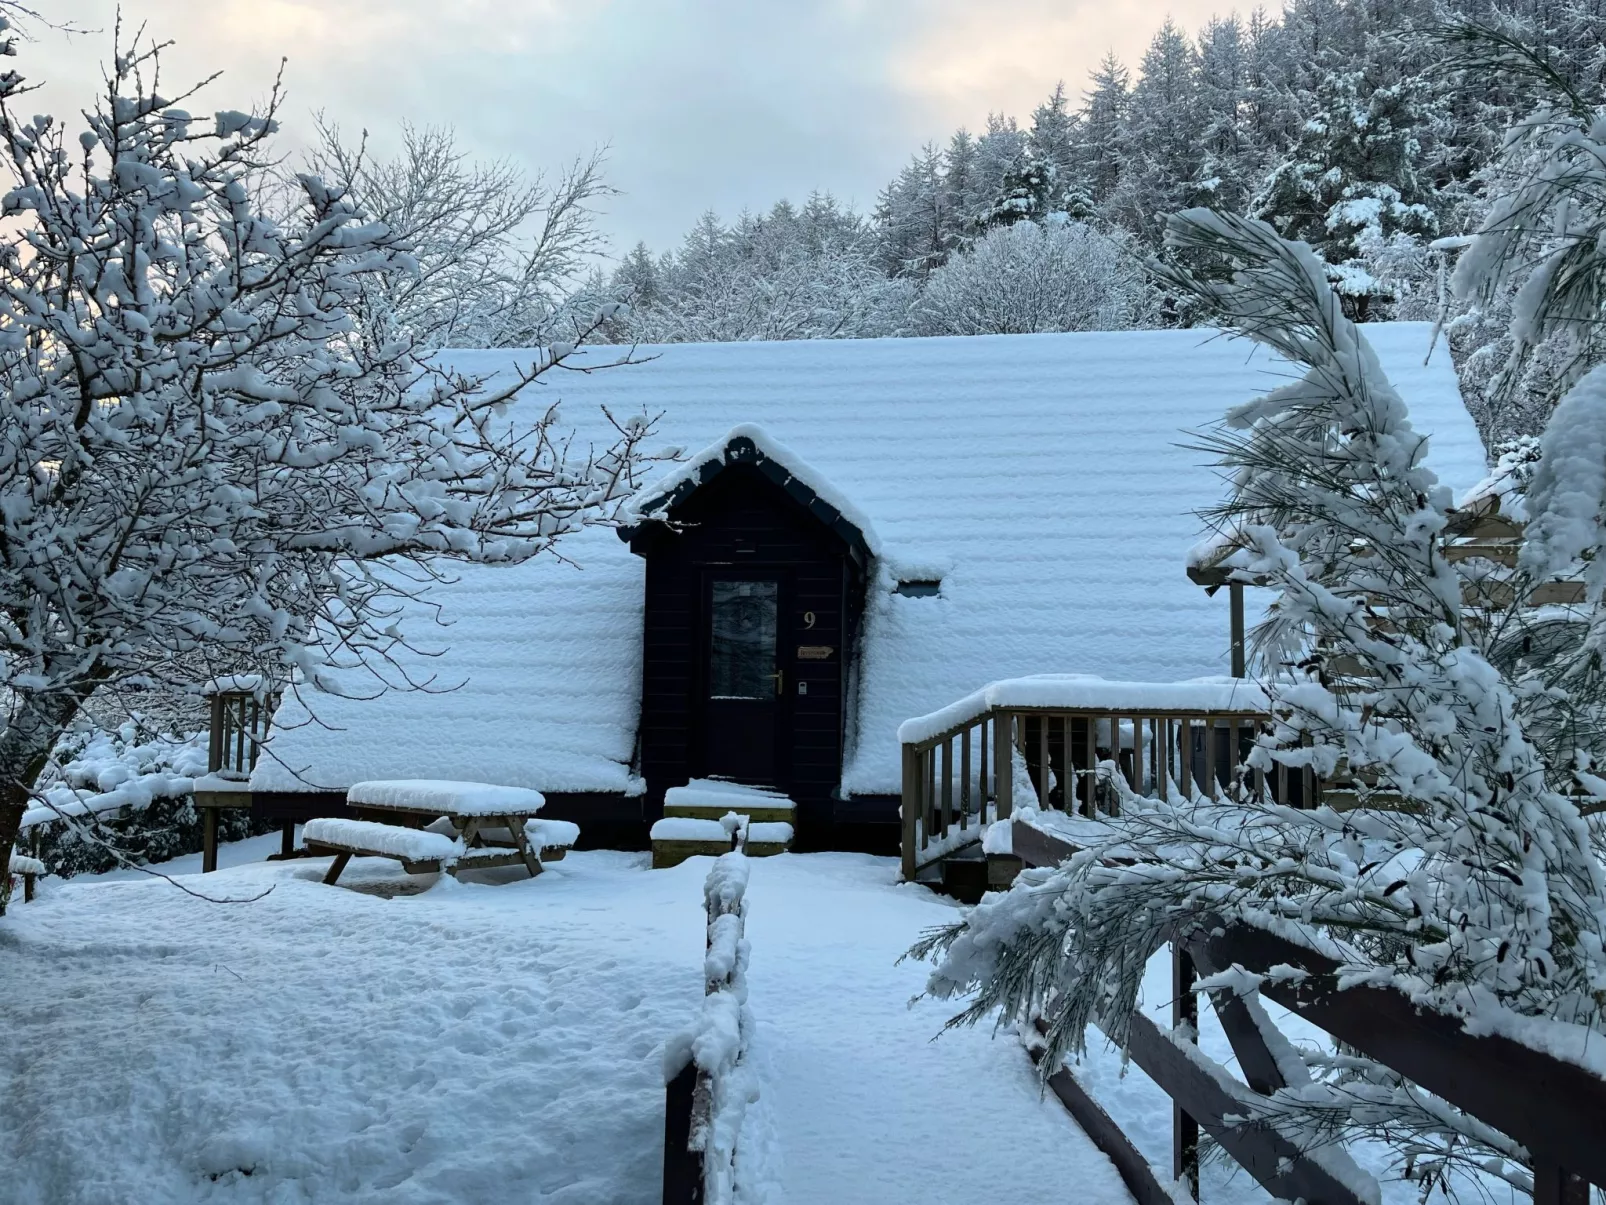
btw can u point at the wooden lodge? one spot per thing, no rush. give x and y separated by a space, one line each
870 530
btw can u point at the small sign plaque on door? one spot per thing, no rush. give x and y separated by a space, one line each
814 652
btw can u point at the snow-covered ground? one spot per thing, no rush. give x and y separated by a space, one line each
502 1040
488 1042
477 1042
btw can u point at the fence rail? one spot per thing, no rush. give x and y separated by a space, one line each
697 1168
1553 1108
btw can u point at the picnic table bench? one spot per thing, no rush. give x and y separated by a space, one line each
431 825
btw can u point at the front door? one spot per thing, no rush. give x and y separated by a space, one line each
743 678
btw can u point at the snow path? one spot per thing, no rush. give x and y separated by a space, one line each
866 1107
491 1042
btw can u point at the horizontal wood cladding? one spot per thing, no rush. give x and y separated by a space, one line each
742 524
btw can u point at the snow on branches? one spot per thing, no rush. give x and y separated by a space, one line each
207 463
1467 875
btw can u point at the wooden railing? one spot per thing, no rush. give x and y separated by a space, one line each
1554 1108
240 719
958 778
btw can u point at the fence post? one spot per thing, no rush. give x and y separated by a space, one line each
1184 1011
1235 594
683 1167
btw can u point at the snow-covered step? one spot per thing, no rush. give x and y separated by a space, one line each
711 798
676 838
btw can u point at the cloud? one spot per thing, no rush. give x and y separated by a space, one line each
723 104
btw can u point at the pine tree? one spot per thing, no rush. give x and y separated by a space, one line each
1164 130
1099 140
1228 168
1350 184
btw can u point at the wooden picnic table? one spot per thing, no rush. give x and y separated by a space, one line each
489 827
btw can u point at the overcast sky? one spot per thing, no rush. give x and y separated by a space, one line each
705 103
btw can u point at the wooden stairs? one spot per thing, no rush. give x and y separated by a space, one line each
709 815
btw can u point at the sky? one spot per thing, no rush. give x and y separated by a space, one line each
703 104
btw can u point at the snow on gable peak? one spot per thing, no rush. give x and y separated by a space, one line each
748 443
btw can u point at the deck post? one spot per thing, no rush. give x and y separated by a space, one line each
1554 1185
214 744
1240 664
1004 763
208 840
1044 767
946 787
910 810
964 781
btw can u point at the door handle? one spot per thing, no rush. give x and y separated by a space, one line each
779 677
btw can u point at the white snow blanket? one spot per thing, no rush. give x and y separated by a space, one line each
23 864
689 828
546 834
446 798
222 1067
415 845
769 832
1043 479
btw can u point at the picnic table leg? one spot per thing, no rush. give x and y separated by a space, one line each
335 868
532 858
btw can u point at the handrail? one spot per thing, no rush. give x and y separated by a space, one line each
241 713
1549 1105
1078 754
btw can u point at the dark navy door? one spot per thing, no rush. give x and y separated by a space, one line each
744 677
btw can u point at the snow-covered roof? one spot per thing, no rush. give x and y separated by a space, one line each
1045 480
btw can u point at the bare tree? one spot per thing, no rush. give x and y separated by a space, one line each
204 457
497 251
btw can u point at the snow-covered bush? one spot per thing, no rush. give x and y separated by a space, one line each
120 795
205 455
1028 278
1533 280
1469 876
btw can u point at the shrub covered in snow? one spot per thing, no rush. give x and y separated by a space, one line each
123 791
1029 278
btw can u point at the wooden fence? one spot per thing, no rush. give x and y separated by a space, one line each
955 780
1553 1108
691 1092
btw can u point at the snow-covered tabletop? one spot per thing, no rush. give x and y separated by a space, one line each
441 797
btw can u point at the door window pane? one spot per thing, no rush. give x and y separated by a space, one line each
742 656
